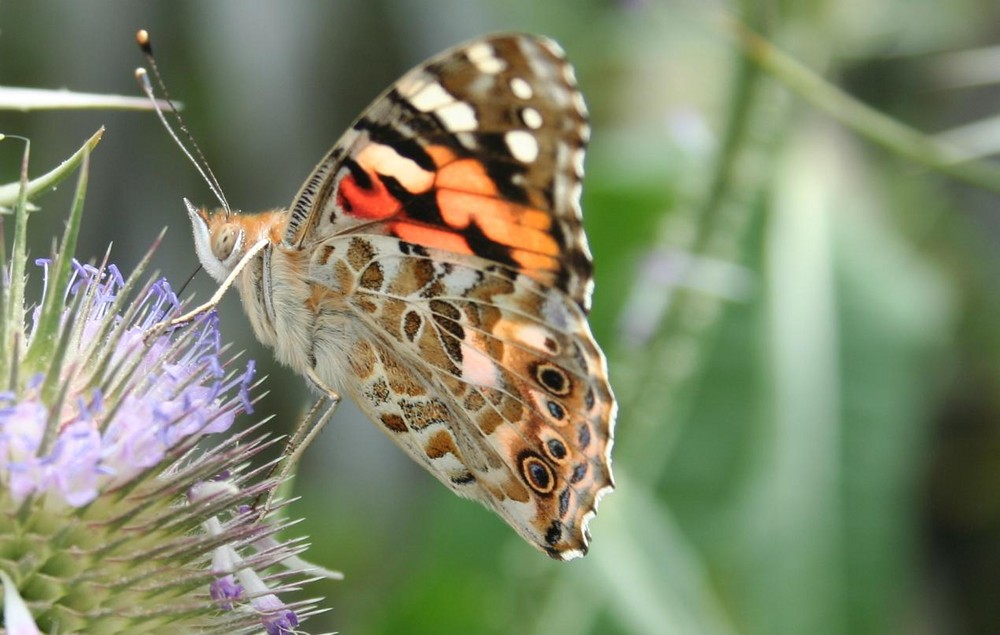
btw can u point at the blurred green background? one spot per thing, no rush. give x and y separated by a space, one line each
801 322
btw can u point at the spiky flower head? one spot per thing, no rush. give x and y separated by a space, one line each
113 518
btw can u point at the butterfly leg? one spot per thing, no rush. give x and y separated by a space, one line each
307 430
305 433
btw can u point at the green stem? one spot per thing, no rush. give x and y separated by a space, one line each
863 119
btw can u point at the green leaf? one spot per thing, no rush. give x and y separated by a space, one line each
43 348
46 183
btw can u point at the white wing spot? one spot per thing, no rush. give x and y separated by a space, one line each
458 117
533 336
385 160
522 145
578 156
431 97
485 59
532 118
467 140
575 190
571 554
552 47
462 278
581 106
410 86
569 75
587 517
588 286
521 88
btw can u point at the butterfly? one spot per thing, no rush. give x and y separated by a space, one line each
434 267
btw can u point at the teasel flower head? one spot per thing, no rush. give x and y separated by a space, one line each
127 503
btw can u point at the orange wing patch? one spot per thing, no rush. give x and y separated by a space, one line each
502 222
368 203
467 194
431 237
466 175
371 200
463 193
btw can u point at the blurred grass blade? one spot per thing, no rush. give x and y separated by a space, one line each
10 193
25 99
863 119
966 69
823 464
977 139
798 500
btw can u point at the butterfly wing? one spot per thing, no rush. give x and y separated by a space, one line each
485 376
477 151
449 219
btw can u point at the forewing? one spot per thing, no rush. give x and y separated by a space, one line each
478 151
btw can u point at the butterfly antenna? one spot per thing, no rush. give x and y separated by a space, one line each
194 155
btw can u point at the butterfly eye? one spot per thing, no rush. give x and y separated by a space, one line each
224 240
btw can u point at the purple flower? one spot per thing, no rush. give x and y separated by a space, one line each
127 501
166 395
100 456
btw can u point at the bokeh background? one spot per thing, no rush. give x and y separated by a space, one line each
801 316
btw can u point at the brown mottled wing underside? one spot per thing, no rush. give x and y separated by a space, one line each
449 219
490 380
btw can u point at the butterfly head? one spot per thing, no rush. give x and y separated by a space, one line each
219 238
222 237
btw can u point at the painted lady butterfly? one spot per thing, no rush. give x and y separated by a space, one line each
434 266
